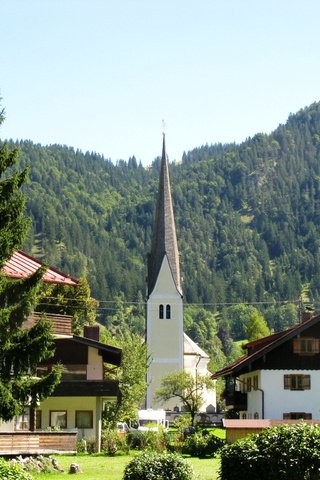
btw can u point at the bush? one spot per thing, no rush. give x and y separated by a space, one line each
285 452
202 445
12 471
155 466
112 442
146 440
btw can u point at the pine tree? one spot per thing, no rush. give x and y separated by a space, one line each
20 349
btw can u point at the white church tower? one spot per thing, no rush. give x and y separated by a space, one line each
165 338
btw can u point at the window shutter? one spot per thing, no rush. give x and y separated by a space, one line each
296 345
306 382
286 382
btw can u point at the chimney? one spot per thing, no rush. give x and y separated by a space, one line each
92 332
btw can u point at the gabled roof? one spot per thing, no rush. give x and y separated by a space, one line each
261 347
191 348
164 240
109 353
22 265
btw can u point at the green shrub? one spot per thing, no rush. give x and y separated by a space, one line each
156 466
285 452
142 440
202 445
11 471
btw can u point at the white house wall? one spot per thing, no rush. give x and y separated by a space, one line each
278 400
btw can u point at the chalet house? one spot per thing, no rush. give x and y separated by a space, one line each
279 378
78 401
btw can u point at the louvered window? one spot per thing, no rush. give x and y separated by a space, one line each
306 346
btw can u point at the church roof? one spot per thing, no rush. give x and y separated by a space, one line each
21 265
164 240
191 348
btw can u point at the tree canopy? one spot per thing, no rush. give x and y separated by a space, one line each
184 387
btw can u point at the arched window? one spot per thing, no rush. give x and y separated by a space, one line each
168 311
256 416
160 311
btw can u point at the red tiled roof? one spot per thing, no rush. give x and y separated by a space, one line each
267 344
21 265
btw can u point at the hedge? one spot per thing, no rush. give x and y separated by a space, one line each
285 452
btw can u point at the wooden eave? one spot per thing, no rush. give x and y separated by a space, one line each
274 342
109 353
87 388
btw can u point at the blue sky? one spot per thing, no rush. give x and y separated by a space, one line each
101 75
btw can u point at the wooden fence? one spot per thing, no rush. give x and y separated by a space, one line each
32 443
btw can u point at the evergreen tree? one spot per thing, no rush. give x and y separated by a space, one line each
20 349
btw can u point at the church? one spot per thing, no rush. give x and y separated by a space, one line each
170 348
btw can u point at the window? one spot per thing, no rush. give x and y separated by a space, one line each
255 382
296 382
297 416
256 416
306 346
22 421
168 311
244 416
58 418
84 419
249 384
160 311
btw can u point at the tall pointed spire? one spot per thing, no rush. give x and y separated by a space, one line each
164 240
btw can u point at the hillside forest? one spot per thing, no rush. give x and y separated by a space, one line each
247 218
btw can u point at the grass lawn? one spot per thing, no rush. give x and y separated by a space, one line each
111 468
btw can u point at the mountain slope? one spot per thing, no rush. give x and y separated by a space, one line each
248 216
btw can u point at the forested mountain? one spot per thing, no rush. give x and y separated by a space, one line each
248 216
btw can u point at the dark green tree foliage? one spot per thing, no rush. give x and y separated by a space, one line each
20 349
247 216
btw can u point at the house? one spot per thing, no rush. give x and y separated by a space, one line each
171 349
279 378
78 401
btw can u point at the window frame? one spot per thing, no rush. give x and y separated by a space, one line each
76 420
306 345
297 382
51 412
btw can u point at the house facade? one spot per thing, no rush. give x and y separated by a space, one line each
77 403
279 377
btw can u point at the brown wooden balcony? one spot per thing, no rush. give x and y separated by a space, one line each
237 400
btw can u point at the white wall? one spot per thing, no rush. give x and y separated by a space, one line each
278 400
164 336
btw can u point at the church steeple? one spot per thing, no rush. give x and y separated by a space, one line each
164 240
